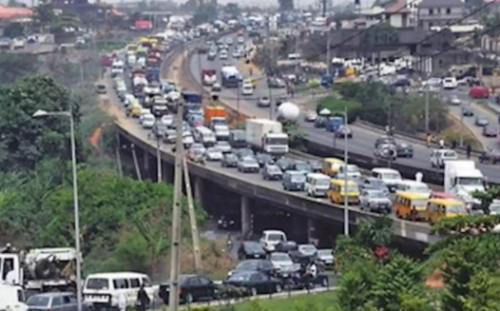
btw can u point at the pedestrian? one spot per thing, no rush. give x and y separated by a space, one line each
453 144
419 177
428 140
468 150
122 299
441 143
143 299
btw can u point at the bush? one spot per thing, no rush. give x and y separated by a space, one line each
337 106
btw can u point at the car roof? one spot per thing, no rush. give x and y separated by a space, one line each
273 232
53 294
116 275
384 170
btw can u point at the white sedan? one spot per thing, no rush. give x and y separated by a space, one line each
167 119
148 121
224 146
214 154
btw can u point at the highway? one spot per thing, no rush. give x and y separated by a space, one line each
362 143
254 185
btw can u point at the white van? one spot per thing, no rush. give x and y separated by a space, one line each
247 89
117 68
204 135
389 176
413 186
102 290
317 185
12 298
271 238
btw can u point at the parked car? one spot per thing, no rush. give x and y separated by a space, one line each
255 283
251 250
192 288
54 301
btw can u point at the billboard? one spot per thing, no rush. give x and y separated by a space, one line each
143 25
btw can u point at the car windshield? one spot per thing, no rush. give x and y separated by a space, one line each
351 188
449 154
213 150
254 247
308 248
419 202
247 265
97 284
249 161
275 237
240 277
222 143
325 252
273 169
301 166
280 257
298 178
421 189
352 168
38 301
457 209
376 194
231 157
391 176
323 182
470 181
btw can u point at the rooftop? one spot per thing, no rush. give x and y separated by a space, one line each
441 3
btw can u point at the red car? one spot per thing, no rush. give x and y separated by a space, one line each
479 92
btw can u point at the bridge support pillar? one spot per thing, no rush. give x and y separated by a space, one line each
146 159
167 172
311 232
246 217
199 191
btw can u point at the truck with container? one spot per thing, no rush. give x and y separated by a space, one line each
192 101
40 270
153 61
230 77
208 77
215 118
463 178
153 74
266 135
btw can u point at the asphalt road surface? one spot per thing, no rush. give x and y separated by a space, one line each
362 142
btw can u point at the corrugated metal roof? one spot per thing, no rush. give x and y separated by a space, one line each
11 12
441 3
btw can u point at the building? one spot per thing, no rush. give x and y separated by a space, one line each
440 12
397 13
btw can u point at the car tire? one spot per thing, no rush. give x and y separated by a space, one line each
277 288
188 298
325 282
253 291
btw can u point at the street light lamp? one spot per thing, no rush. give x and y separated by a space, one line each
68 114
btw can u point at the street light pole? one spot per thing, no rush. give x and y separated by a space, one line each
69 114
346 159
427 109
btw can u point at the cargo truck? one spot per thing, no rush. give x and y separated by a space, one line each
266 135
230 77
215 118
208 77
462 178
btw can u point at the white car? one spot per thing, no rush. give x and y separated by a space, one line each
264 102
167 119
229 41
214 154
216 87
187 139
241 40
223 54
440 156
144 112
224 146
450 83
310 116
236 54
247 90
148 121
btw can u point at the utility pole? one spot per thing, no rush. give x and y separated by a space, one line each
268 50
346 160
158 156
328 51
323 7
426 109
176 215
192 218
461 130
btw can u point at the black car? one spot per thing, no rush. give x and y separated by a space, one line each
404 150
192 288
261 265
251 250
285 164
286 246
229 160
302 166
244 152
320 122
467 112
272 172
316 166
229 222
159 130
263 159
255 283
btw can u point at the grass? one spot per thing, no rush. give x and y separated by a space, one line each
320 301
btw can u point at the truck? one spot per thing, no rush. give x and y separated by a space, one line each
40 270
215 118
208 77
153 74
334 123
230 76
192 100
462 178
12 298
213 112
266 135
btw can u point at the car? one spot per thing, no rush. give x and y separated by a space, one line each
307 249
247 90
454 100
302 167
148 121
248 165
343 131
229 41
223 54
467 111
404 150
385 140
326 257
53 301
229 160
216 87
440 156
272 172
481 121
293 181
224 146
167 119
214 154
236 53
386 152
280 260
264 102
450 83
285 164
159 130
264 158
253 265
198 148
371 183
276 83
255 283
192 288
310 116
286 246
316 166
229 221
244 152
479 92
251 250
170 136
211 55
490 131
375 201
241 39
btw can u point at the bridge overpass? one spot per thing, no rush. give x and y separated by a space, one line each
224 189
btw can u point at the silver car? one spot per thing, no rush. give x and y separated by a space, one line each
454 100
326 256
214 154
224 146
264 102
54 301
281 261
248 165
308 249
375 201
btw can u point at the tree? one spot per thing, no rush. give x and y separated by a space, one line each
16 66
65 22
28 140
232 9
14 30
285 5
43 15
487 197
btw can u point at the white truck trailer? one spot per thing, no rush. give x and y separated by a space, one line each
461 177
266 135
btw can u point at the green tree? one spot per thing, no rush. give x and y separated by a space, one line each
28 140
232 9
16 66
285 5
487 197
374 233
43 15
14 30
63 22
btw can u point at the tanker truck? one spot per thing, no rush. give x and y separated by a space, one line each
40 270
